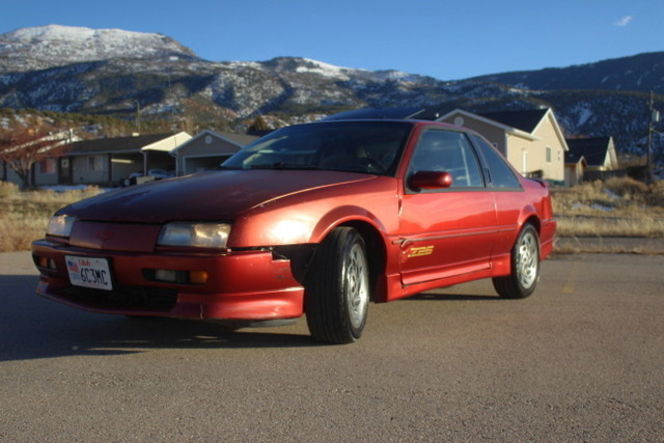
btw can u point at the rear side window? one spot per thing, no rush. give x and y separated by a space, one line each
500 175
451 152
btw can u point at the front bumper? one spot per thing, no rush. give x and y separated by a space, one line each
246 285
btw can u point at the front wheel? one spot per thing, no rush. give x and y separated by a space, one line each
525 265
337 288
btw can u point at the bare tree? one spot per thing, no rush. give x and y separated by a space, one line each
23 147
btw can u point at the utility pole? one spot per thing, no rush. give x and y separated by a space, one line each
649 146
653 118
138 116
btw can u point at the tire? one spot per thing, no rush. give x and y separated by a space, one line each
525 265
337 288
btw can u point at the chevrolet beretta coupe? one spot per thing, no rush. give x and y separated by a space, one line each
316 219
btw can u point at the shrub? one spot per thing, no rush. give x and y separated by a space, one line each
8 189
626 187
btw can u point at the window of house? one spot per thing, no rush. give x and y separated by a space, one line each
47 166
96 163
548 154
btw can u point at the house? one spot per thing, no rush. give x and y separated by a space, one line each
575 167
37 148
599 152
206 150
108 161
531 140
7 174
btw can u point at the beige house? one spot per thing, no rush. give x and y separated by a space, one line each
599 152
207 150
575 167
531 140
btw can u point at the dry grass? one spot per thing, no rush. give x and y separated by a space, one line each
619 207
24 215
605 249
609 245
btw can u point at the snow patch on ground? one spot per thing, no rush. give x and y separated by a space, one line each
241 64
583 114
611 194
324 69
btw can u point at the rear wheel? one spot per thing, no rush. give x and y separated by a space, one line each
525 266
337 288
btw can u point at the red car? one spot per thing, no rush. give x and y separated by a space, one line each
316 219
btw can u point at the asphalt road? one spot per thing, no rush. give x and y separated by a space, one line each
580 360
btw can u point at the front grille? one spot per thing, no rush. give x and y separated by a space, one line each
130 298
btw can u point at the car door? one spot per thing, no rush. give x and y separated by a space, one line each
507 193
450 231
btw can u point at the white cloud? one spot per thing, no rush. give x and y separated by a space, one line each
626 20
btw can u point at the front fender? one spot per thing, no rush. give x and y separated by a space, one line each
341 215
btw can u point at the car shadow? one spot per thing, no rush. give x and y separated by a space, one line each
33 328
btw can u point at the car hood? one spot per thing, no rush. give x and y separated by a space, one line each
217 195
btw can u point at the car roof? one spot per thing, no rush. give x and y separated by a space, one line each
404 113
394 120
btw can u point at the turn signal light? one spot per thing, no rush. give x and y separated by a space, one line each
179 277
198 277
45 262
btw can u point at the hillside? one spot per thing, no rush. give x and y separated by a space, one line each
115 72
642 72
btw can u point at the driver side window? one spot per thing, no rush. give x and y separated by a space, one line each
448 151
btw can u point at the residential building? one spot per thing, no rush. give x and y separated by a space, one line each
108 161
575 167
207 150
599 152
43 146
531 140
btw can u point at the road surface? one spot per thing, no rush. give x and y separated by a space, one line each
580 360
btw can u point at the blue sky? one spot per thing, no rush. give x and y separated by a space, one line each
444 39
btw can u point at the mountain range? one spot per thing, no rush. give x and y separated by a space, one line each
111 71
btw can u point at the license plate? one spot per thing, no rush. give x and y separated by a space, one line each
89 272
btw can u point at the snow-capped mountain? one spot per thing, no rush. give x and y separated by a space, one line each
84 70
54 45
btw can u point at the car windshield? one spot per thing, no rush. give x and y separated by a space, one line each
365 147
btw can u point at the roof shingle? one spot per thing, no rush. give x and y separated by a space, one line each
594 149
525 120
115 144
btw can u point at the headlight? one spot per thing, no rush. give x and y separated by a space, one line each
60 225
197 235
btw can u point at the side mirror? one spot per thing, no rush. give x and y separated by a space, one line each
430 180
